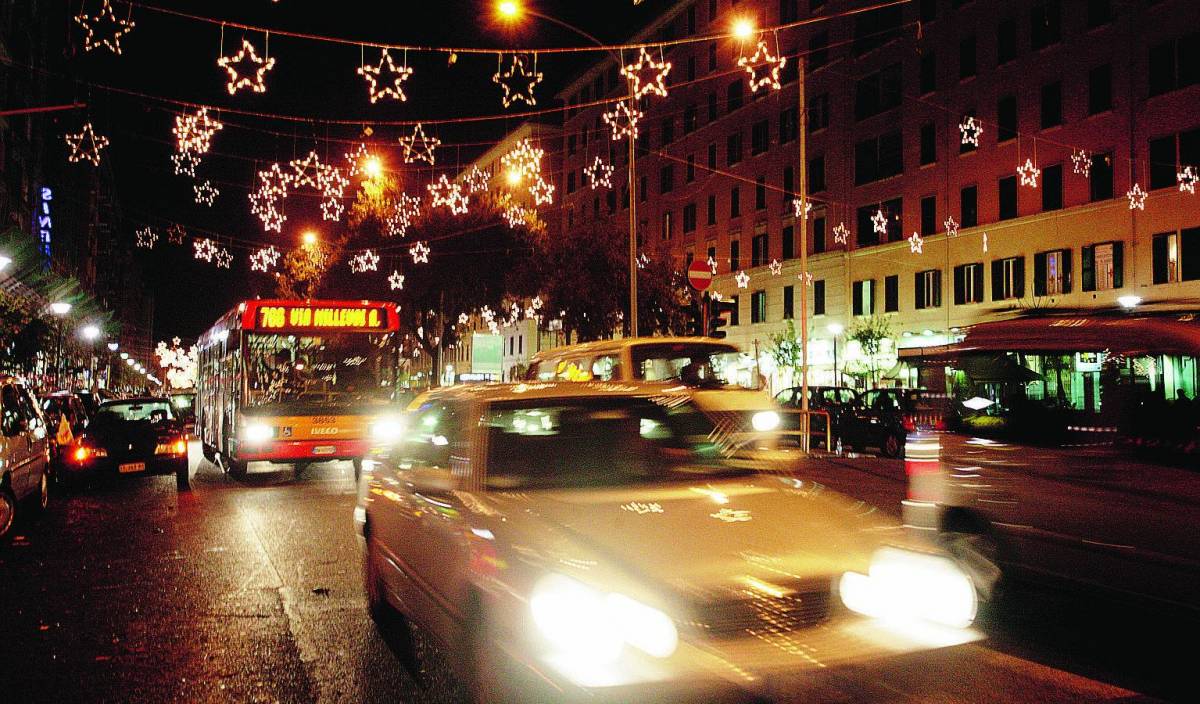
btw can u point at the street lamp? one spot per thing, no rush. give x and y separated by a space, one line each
309 238
743 28
508 10
89 333
373 167
836 330
1129 302
112 347
4 262
60 308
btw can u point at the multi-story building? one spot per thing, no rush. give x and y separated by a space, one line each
1113 84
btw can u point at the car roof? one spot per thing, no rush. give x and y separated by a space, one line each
132 400
601 345
488 393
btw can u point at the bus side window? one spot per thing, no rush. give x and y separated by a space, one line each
575 369
606 368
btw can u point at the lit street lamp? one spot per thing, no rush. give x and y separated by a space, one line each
59 309
112 347
89 333
4 262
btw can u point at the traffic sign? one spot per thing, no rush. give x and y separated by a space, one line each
700 275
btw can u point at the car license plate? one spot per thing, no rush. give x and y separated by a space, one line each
324 450
132 467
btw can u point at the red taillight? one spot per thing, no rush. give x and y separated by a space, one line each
179 447
81 454
910 423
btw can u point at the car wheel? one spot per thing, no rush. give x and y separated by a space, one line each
8 510
182 481
892 446
300 468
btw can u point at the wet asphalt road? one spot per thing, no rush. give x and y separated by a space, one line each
251 591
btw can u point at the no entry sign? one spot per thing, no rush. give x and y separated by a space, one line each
700 275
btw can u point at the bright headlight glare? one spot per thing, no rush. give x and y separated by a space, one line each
764 421
387 429
588 623
903 585
257 432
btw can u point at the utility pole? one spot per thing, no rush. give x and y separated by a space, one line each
802 119
633 273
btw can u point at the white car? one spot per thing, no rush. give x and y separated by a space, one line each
24 453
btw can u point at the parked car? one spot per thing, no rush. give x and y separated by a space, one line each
56 407
834 400
135 436
604 539
24 453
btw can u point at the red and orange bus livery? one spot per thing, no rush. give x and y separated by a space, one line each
295 381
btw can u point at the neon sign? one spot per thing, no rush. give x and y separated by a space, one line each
322 318
42 227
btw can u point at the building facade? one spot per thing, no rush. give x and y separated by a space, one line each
1113 84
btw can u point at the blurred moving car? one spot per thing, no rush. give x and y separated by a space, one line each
56 407
24 453
601 541
693 361
136 436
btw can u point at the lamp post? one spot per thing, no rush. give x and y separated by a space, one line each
835 329
60 310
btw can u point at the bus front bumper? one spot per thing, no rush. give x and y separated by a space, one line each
294 450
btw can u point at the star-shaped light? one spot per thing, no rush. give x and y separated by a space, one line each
536 303
1081 162
176 234
332 184
801 211
367 260
712 264
841 233
776 267
407 209
985 243
1137 197
264 259
384 80
224 259
205 249
1029 173
515 215
518 81
146 238
194 133
86 145
915 243
103 29
642 260
623 119
185 163
763 59
1187 179
463 318
476 180
743 279
647 75
445 193
418 147
246 70
971 129
524 159
396 280
306 171
206 193
879 222
599 173
420 253
806 277
951 227
542 192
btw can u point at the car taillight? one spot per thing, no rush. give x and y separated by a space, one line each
82 454
910 423
175 448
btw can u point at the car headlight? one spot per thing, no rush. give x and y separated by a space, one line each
765 421
903 585
257 432
387 429
589 623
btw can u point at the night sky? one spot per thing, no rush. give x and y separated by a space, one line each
175 58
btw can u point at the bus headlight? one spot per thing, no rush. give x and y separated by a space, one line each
765 421
387 429
257 432
902 585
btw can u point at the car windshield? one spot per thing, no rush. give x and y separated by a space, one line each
695 364
562 443
54 404
338 369
134 411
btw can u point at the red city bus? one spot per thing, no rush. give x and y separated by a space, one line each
295 381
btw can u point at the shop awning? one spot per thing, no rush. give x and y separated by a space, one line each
1130 335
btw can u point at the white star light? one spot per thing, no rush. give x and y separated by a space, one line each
407 208
206 193
542 192
623 119
418 147
599 174
656 83
743 279
264 259
712 264
110 29
1137 197
463 318
1187 179
476 180
86 145
951 227
306 171
879 222
224 259
916 244
841 233
185 163
367 260
518 82
420 253
515 215
146 238
807 277
450 195
798 211
385 74
1029 173
194 133
259 67
205 249
971 129
536 303
763 58
776 267
1081 162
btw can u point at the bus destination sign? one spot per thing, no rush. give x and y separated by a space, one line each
322 318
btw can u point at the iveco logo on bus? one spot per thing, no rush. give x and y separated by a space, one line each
324 431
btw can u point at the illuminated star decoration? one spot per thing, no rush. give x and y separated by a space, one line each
185 163
264 259
879 222
1029 173
743 279
86 145
450 195
194 133
515 215
797 210
463 318
599 174
623 119
358 158
524 159
646 75
146 238
306 171
396 280
776 267
1187 179
806 277
476 180
418 147
103 29
384 80
763 59
367 260
971 129
712 264
643 260
1081 162
332 185
951 227
915 243
224 259
206 193
1137 197
518 82
176 234
841 233
205 249
247 58
542 192
265 202
406 209
717 297
420 253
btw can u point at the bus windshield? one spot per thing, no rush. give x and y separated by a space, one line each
334 369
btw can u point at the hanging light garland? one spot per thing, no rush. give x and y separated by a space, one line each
385 80
517 81
419 147
103 29
86 145
246 69
763 59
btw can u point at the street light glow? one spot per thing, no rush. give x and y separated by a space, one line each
1129 302
508 9
309 238
743 28
373 167
513 177
60 308
112 347
835 329
89 332
4 262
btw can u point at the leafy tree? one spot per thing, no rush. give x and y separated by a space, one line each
869 333
786 349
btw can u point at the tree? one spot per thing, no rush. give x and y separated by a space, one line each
786 349
869 333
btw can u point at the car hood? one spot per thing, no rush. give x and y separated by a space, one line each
696 536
